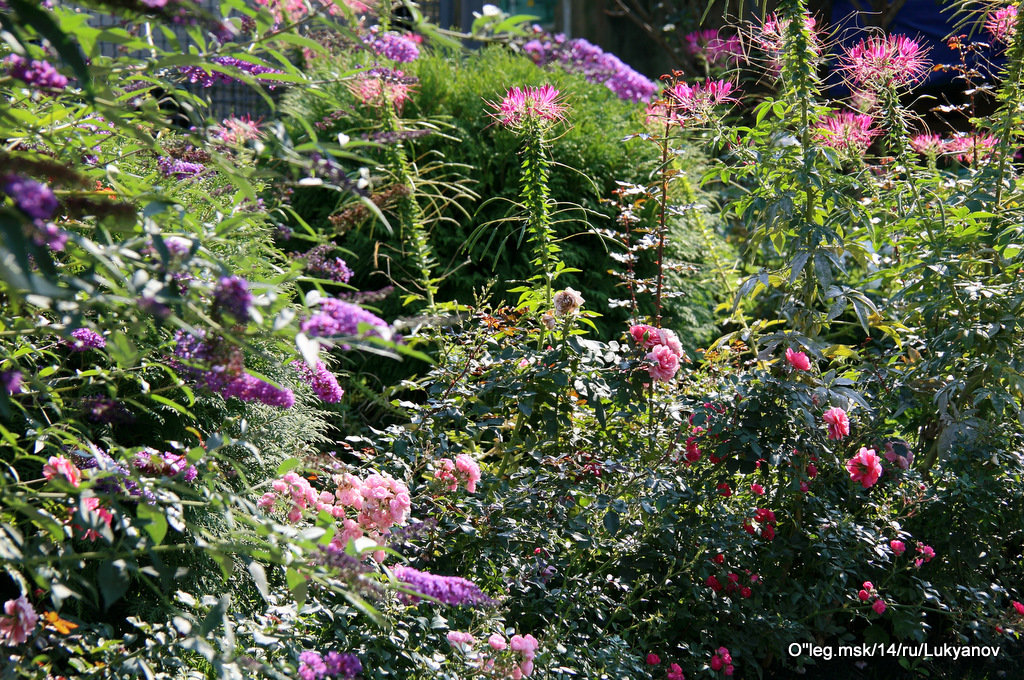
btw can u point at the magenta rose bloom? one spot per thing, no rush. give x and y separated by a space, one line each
865 467
798 360
838 423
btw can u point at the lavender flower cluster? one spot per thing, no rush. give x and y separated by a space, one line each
117 480
11 381
179 169
197 74
335 269
340 318
220 368
323 382
232 296
313 666
451 590
38 73
84 339
165 464
392 46
596 65
334 556
104 410
31 197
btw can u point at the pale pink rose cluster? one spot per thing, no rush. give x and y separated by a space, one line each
463 470
19 622
665 350
516 666
379 501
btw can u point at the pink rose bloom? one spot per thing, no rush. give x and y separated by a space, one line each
527 667
838 423
459 639
878 606
798 360
901 460
757 489
468 471
898 547
675 672
716 663
497 642
664 364
1019 608
653 659
644 335
19 623
60 466
863 595
865 467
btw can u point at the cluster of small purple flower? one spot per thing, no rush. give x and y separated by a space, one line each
317 262
106 410
197 74
31 197
323 382
166 464
452 590
220 368
39 73
341 318
11 381
179 169
596 65
392 46
232 296
116 479
313 666
84 339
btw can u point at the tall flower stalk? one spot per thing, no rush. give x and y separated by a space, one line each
532 112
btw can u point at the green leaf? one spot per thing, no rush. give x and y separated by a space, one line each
259 576
288 465
113 581
612 522
153 522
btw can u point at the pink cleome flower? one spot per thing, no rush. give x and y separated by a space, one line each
1000 24
697 102
770 38
883 61
19 622
798 360
523 105
971 148
838 423
716 51
927 145
845 130
865 467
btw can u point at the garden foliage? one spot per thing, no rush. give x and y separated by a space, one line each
208 470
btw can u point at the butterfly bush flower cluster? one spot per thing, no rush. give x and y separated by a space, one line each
178 168
10 381
885 61
867 593
197 74
450 590
83 339
232 295
593 63
865 467
845 130
715 50
221 368
323 382
463 470
337 317
33 198
164 464
104 410
391 46
18 621
35 72
331 666
318 263
665 353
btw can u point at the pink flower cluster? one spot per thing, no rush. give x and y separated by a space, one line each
868 592
797 360
298 492
846 131
716 51
926 552
771 39
59 466
685 103
464 470
515 666
838 423
383 87
19 622
1001 23
765 519
526 645
665 350
966 148
865 467
522 105
885 61
675 672
721 660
